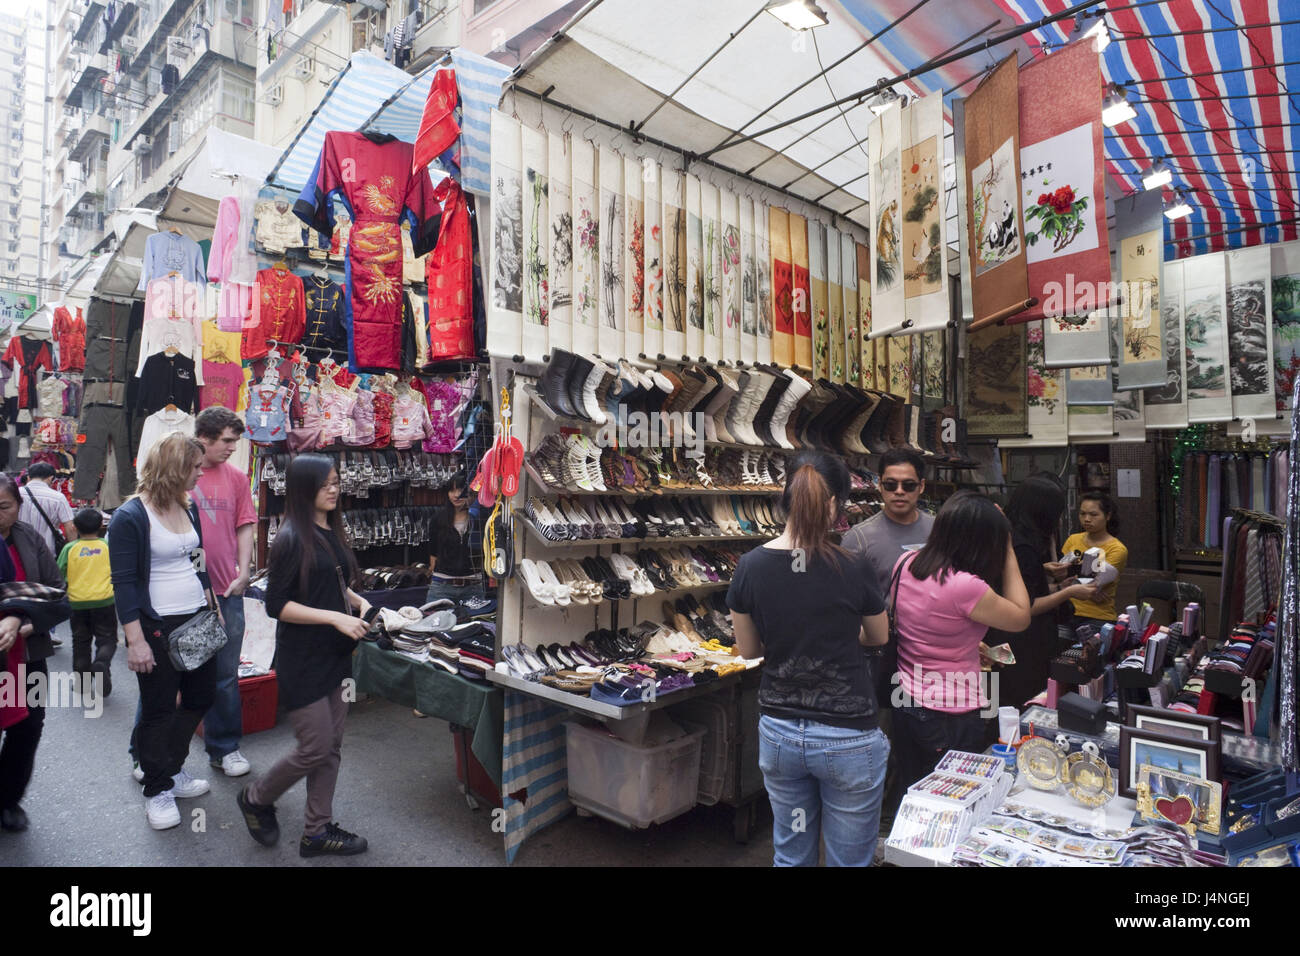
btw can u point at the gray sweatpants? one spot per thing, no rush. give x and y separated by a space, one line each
319 730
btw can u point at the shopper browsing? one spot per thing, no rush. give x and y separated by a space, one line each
228 519
309 594
900 525
32 561
155 549
1099 519
1034 510
943 606
808 606
45 509
457 573
84 561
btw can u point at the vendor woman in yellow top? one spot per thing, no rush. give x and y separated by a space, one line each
1100 521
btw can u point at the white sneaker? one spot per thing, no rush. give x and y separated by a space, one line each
183 785
162 811
233 764
137 771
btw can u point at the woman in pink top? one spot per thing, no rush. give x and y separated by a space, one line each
945 600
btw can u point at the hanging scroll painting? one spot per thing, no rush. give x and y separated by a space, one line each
633 258
507 303
674 252
559 270
1250 341
586 247
1166 406
537 246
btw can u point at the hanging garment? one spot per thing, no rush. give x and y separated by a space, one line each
167 380
372 174
361 426
324 308
279 312
450 278
172 310
220 345
26 356
168 252
438 127
70 336
268 412
226 236
170 77
277 228
50 398
336 415
411 421
412 265
223 383
157 427
420 313
383 420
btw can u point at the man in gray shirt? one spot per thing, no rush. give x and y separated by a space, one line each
899 526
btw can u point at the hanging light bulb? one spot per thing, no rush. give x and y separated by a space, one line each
1115 107
1092 24
1157 174
1178 207
798 14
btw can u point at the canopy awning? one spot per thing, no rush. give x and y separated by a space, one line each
700 76
372 94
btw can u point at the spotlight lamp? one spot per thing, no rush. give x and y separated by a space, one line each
798 14
1115 107
1177 207
1157 174
1092 24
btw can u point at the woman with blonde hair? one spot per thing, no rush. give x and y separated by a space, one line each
159 582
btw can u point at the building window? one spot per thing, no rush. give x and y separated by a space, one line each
237 97
367 28
481 5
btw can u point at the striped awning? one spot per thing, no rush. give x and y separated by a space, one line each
1215 86
372 94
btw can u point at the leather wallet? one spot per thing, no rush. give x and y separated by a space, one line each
1080 714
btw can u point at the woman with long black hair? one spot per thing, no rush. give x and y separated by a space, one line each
808 607
944 603
309 593
1099 518
1034 510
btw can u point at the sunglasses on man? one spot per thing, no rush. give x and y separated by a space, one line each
891 484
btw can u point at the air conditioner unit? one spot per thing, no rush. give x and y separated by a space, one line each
275 95
143 144
304 68
129 44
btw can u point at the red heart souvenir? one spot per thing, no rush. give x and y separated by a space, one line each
1179 810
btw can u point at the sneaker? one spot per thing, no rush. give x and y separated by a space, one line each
334 841
233 764
162 811
183 785
259 819
137 772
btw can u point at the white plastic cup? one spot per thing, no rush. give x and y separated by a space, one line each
1008 725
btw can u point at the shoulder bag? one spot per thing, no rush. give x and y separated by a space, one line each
194 643
884 662
59 539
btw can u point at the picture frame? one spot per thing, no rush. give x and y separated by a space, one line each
1199 758
1189 802
1174 723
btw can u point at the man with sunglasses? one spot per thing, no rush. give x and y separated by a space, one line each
899 526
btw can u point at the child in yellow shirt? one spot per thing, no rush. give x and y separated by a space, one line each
84 562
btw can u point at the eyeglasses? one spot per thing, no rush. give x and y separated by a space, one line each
891 484
333 486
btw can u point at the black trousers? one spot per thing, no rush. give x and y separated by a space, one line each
102 424
97 624
163 736
18 752
922 736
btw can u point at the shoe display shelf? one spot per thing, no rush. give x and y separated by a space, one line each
658 492
670 541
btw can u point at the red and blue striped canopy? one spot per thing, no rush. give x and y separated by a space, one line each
1216 86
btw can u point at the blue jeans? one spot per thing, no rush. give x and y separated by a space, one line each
224 723
440 590
824 782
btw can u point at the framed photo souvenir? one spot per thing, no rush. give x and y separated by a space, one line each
1139 748
1173 722
1189 802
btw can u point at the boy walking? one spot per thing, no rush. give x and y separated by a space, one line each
84 562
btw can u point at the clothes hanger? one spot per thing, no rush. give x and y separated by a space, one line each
169 407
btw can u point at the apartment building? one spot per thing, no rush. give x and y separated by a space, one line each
22 160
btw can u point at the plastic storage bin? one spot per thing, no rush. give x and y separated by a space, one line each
633 786
258 698
715 749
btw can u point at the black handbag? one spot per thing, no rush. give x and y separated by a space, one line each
884 659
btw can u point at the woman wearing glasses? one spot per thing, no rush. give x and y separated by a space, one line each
309 594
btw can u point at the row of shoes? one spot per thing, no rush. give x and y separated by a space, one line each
599 649
760 405
704 622
577 463
616 577
594 518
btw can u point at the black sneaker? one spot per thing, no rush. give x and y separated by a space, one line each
259 819
335 841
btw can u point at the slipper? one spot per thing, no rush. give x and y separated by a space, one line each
509 461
